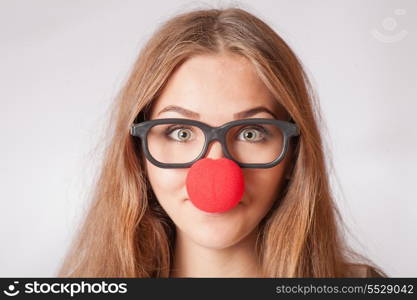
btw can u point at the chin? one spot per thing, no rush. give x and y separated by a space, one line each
214 238
216 244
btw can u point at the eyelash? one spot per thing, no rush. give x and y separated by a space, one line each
264 131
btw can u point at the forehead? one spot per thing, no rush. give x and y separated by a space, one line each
216 86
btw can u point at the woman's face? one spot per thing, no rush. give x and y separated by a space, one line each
216 88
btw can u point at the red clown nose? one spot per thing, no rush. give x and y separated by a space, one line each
215 185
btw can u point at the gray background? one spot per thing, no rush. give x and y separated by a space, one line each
62 62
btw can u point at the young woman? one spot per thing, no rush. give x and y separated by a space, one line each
215 68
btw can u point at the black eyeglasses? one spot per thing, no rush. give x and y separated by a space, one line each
251 143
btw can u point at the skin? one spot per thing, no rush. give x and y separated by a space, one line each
207 245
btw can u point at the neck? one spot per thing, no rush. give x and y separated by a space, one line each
194 260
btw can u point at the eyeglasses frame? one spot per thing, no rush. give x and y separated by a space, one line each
141 130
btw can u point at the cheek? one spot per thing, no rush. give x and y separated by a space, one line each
263 185
167 184
264 177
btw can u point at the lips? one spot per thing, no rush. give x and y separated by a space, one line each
240 202
214 214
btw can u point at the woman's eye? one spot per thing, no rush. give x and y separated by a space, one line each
180 134
252 135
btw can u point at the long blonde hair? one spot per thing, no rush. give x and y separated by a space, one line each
127 234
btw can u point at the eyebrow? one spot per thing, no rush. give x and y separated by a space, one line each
240 115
